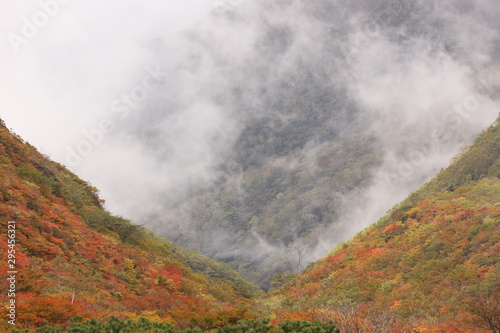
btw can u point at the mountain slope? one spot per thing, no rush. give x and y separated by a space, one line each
431 265
73 257
300 106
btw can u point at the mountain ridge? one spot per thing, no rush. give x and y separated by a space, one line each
72 257
405 268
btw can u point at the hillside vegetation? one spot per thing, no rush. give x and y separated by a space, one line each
430 265
73 257
143 325
307 147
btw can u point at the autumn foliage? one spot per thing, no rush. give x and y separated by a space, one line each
430 265
74 258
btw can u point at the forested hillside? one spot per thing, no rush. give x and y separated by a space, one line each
306 106
264 136
430 265
72 257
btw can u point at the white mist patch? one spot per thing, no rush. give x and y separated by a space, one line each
428 106
65 61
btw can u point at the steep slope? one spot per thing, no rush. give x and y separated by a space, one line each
431 265
73 257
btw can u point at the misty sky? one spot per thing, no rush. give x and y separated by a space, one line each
66 65
78 77
62 76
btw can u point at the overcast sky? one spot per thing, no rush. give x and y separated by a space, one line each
64 62
67 68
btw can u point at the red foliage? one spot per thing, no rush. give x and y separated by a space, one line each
172 273
391 229
443 254
66 268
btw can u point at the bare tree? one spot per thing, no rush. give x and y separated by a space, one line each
292 265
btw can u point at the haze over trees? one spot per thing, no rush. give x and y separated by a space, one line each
316 118
431 264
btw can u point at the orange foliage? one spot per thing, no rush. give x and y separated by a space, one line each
443 255
66 268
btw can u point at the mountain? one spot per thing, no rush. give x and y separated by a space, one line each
263 136
72 257
289 118
430 265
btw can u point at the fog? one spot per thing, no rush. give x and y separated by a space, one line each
146 100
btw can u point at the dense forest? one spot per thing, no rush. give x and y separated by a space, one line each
431 264
308 148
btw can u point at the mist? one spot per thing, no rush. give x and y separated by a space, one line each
149 101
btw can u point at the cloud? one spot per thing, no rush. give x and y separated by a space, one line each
426 100
76 58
